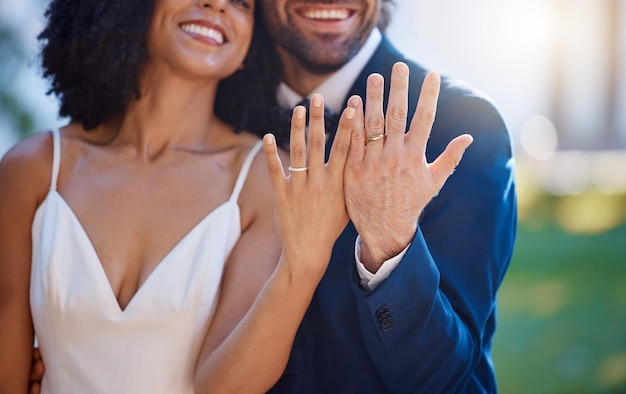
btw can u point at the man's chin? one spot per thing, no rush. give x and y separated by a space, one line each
327 59
322 54
322 68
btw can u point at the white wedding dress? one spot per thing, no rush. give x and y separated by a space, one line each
88 343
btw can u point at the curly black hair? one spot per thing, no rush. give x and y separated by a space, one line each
245 99
93 53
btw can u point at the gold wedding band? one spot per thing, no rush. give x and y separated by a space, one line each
374 137
298 169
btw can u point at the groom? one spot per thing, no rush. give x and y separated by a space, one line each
415 310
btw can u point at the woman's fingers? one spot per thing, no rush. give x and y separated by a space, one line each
341 144
310 203
317 135
274 165
297 146
307 157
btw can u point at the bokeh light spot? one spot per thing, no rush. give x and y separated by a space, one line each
547 297
539 138
589 213
612 371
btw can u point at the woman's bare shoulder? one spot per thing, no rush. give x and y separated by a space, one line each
258 178
27 166
33 145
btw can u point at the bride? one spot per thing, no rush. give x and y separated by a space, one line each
146 244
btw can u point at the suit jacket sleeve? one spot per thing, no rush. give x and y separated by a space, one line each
428 327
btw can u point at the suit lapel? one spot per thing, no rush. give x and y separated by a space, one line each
383 59
381 62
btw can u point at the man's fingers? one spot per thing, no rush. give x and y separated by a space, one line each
374 118
425 113
397 106
357 143
317 136
445 164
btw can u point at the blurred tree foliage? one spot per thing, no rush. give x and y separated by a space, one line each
12 57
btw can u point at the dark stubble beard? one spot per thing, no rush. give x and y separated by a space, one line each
326 54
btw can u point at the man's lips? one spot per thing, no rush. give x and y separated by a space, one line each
205 30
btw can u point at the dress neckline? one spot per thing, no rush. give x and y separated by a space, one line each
203 222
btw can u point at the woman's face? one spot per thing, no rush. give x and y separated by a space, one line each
208 38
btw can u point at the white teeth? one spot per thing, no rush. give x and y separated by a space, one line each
334 14
205 32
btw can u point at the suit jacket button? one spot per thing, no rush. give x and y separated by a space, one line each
386 324
381 311
384 316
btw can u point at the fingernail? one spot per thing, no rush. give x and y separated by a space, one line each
376 80
349 113
300 112
353 102
435 76
268 139
402 69
316 100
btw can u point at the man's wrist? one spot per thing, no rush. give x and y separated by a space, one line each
373 257
370 280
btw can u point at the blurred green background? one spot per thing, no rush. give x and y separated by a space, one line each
562 307
557 68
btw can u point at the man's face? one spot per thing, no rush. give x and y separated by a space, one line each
321 35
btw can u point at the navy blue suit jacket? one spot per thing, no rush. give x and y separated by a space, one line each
428 327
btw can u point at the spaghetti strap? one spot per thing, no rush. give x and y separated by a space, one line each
56 158
243 173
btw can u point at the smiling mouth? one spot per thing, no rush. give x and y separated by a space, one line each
204 31
325 14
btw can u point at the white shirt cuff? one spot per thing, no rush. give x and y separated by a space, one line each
370 281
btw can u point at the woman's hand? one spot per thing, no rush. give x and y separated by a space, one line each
310 212
310 203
